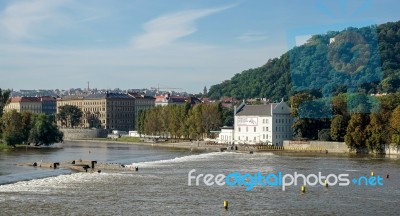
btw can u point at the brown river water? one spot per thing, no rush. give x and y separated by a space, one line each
160 187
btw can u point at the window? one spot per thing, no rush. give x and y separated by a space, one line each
247 138
239 129
255 139
263 136
267 129
255 129
266 121
247 130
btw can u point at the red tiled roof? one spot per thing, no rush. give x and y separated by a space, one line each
229 100
24 99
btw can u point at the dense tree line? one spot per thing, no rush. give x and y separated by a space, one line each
354 125
364 60
174 121
26 127
4 97
29 128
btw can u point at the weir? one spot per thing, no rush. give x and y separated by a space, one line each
81 166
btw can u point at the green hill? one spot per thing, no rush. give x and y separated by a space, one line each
365 60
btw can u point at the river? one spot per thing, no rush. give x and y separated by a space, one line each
160 187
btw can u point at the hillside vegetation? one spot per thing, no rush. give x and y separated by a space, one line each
363 60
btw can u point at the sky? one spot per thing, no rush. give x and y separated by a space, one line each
187 44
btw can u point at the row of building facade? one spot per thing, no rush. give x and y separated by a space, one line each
44 104
114 111
106 110
268 123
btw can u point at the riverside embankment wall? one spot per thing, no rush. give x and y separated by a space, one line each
333 147
78 134
194 146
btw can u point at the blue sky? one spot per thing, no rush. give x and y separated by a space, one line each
176 43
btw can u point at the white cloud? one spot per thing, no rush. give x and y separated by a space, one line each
22 19
250 37
188 66
168 28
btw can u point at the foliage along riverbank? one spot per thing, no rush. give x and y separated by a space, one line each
369 126
38 129
5 147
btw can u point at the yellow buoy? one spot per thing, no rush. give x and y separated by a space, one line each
326 183
226 204
303 189
372 173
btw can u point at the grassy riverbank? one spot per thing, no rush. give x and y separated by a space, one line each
4 147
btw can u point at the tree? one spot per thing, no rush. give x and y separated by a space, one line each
355 137
12 128
304 126
174 121
194 122
44 131
339 105
141 119
338 128
164 113
227 116
92 118
376 133
394 125
4 99
211 117
27 119
184 124
153 124
69 115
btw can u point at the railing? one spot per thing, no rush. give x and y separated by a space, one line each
270 147
282 148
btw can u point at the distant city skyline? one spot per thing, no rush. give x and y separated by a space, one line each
62 44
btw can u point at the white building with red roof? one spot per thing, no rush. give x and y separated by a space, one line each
25 104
